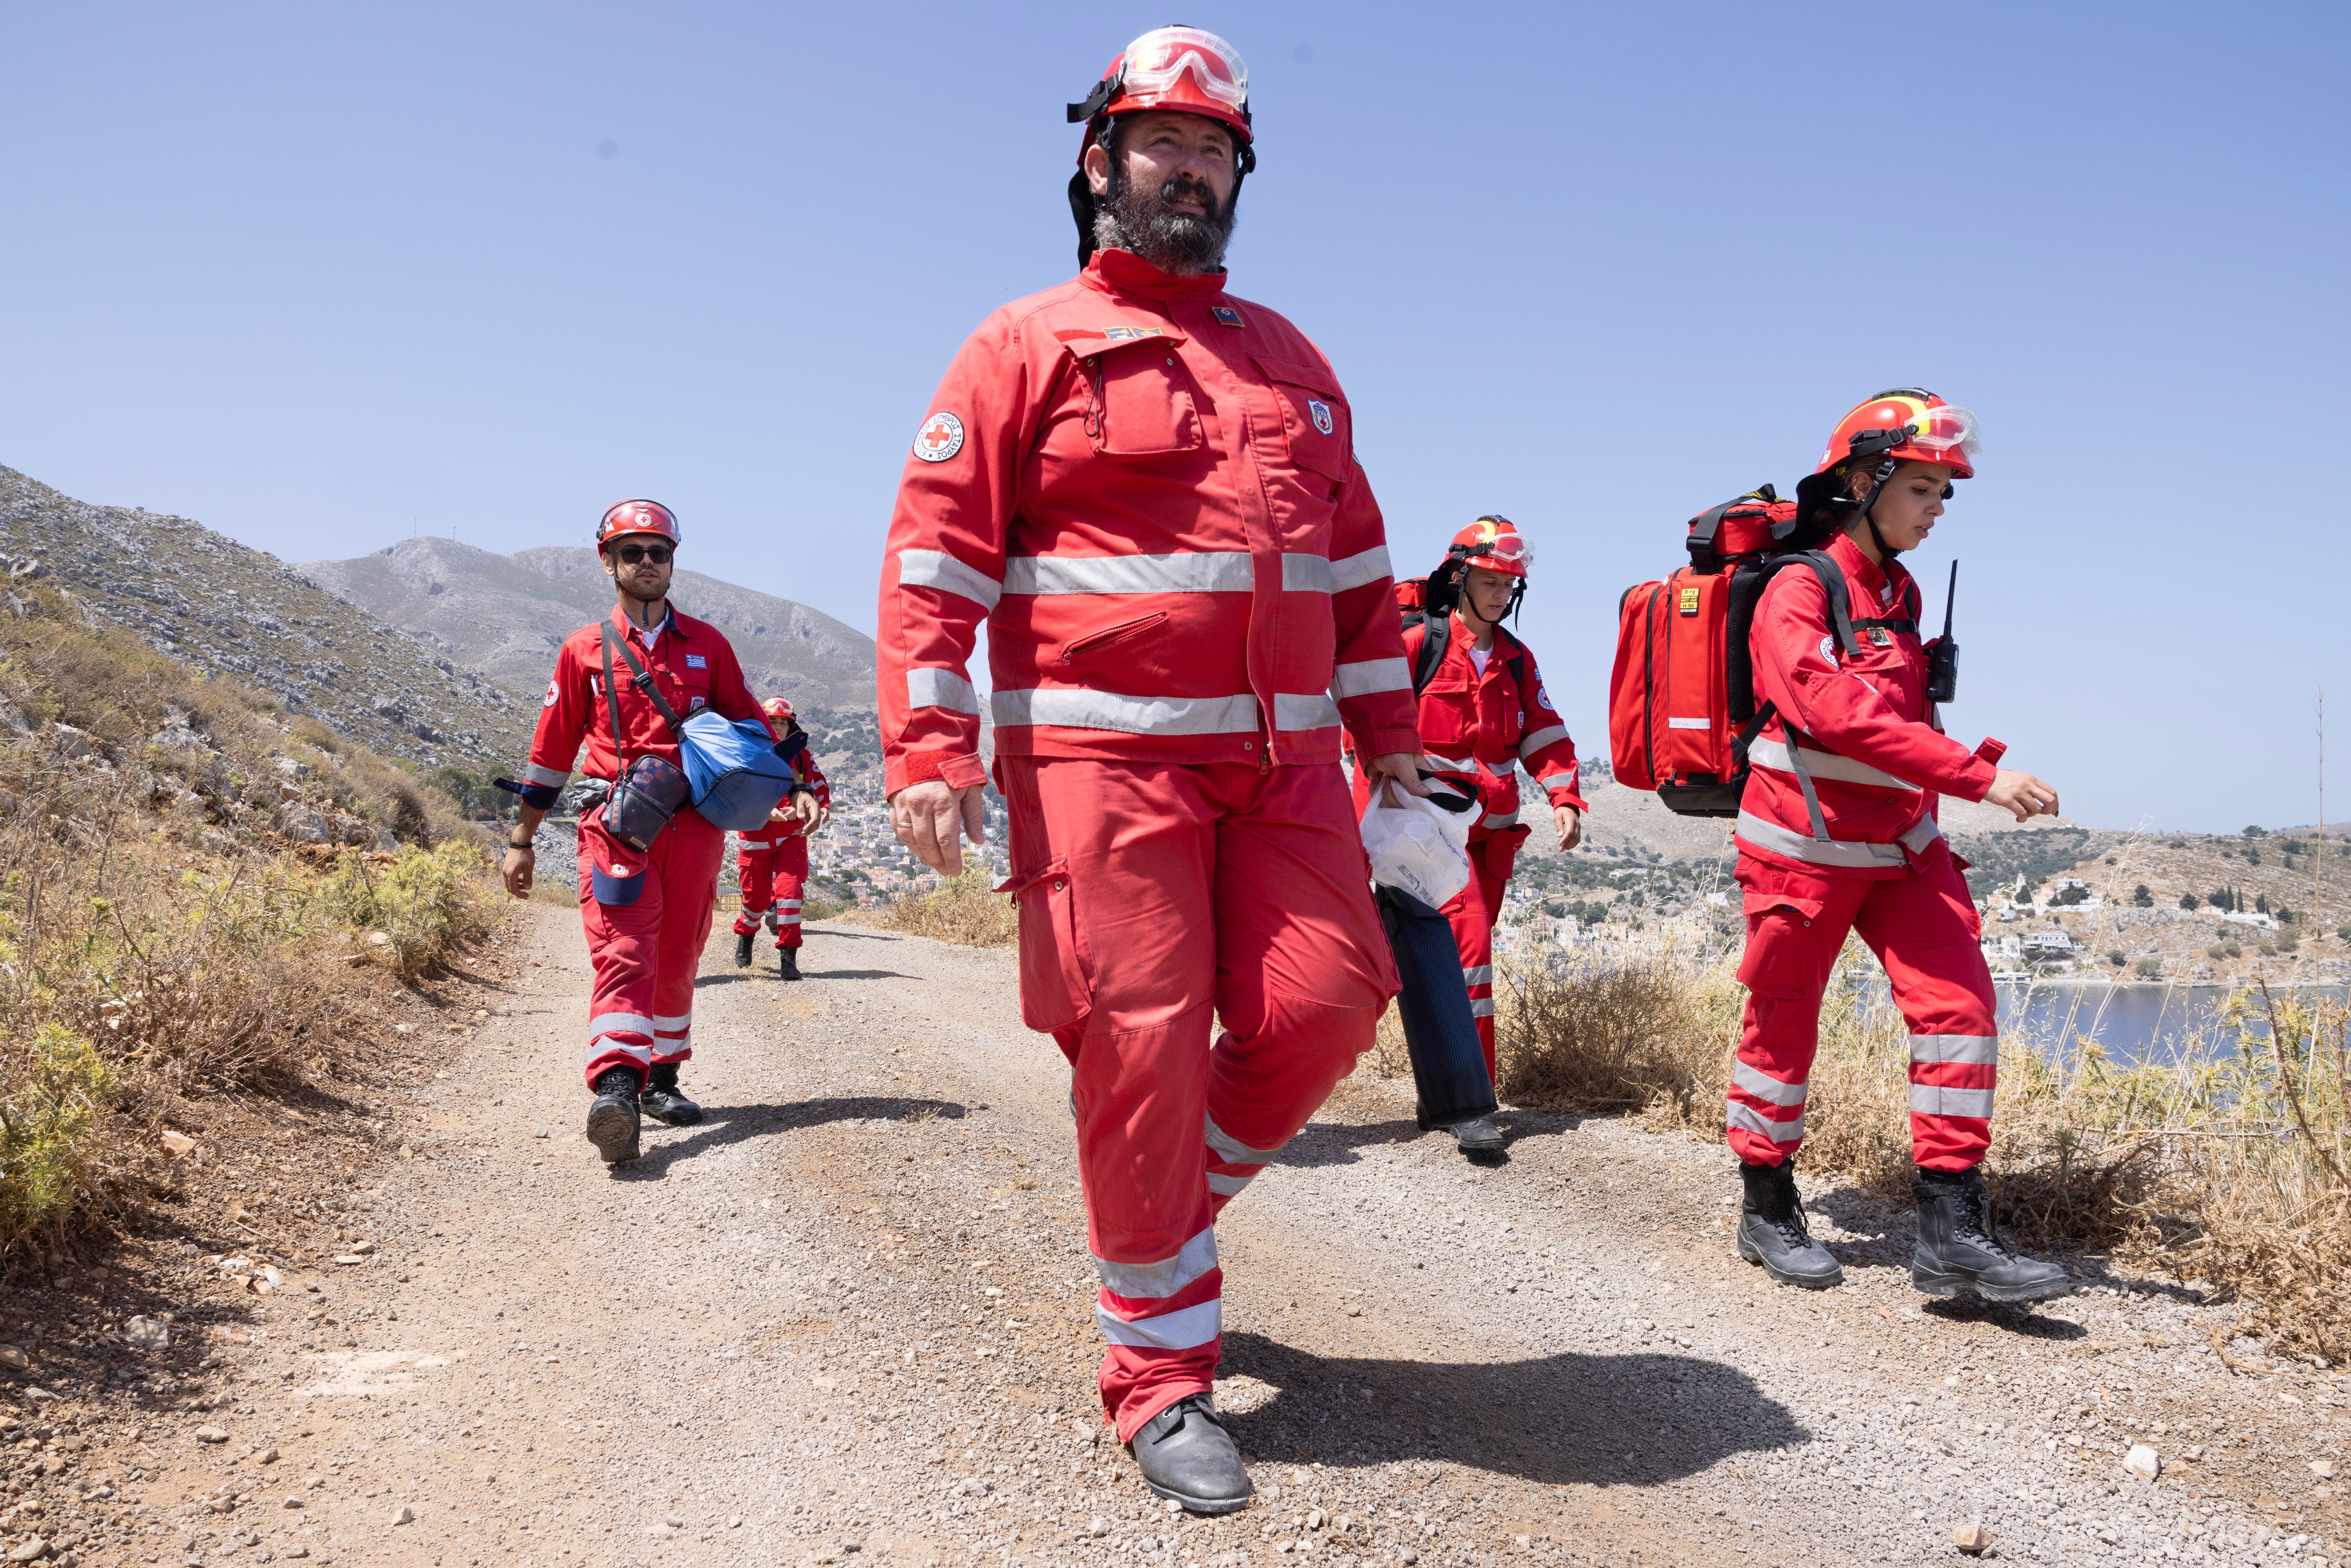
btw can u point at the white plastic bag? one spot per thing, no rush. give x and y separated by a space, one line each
1416 845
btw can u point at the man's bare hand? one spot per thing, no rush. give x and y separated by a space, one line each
518 869
1570 823
2023 794
802 806
1403 767
924 817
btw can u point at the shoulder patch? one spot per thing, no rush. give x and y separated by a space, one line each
940 438
550 694
1828 649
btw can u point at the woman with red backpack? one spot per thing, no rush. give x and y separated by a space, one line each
1836 833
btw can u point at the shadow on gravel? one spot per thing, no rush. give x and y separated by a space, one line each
1336 1142
723 1125
859 936
767 972
1638 1419
2016 1317
856 975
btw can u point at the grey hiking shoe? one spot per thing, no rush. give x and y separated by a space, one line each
1772 1229
1960 1249
1185 1454
613 1119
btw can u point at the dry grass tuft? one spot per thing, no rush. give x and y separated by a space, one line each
962 910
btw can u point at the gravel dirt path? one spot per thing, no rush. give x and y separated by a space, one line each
848 1318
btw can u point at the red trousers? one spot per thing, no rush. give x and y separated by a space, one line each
647 916
1152 897
774 878
1924 928
1472 913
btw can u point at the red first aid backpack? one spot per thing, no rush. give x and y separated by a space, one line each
1681 700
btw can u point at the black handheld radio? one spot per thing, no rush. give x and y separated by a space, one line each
1943 663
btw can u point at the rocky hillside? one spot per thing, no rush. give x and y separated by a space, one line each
507 615
203 598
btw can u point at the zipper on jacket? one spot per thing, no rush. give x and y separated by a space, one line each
1109 634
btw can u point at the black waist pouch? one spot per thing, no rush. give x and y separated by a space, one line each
640 805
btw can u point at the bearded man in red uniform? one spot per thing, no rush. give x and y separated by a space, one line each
1147 488
646 911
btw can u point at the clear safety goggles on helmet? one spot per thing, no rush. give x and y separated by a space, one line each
1156 62
1949 428
1503 552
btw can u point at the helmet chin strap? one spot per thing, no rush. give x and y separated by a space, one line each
1885 466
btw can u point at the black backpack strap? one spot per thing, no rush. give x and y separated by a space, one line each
1435 631
644 685
1832 578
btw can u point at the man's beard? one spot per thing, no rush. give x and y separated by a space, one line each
1133 219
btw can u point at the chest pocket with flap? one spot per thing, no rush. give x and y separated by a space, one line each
1140 399
1314 416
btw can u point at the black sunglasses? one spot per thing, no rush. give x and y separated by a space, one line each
632 554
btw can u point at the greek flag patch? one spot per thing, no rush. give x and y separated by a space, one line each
697 661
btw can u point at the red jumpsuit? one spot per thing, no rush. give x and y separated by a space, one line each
1877 758
647 915
771 863
1148 490
1480 728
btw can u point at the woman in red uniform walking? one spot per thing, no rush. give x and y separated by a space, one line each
771 861
1836 833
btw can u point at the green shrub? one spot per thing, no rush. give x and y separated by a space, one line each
426 902
56 1090
2147 968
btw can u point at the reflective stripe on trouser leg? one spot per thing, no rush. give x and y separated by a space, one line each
790 888
754 870
1173 1303
673 1038
1785 968
646 953
1232 1165
1923 928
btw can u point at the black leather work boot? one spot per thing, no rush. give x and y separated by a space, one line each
663 1102
743 949
1772 1229
613 1119
787 963
1479 1140
1186 1454
1960 1249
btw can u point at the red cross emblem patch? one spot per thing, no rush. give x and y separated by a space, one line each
940 438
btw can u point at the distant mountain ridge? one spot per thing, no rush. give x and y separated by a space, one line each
505 615
200 597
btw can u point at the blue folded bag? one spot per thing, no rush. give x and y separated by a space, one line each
736 771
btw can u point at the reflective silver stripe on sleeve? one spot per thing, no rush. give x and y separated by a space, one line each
927 687
1305 574
1074 707
1974 1050
552 778
1935 1099
1549 736
1183 572
1774 753
1226 1185
1481 1007
1356 571
1367 675
1308 710
936 569
1762 1126
1798 846
1499 820
1232 1150
1436 764
1149 1282
1766 1088
1170 1330
1477 975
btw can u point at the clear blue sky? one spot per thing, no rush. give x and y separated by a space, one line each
325 277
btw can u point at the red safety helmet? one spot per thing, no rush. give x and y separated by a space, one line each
1183 70
636 518
777 708
1495 543
1907 425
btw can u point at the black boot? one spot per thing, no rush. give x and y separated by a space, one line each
613 1119
1772 1229
1479 1139
664 1104
743 949
1186 1454
1959 1249
787 963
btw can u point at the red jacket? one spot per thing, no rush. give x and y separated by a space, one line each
695 665
1876 756
771 832
1486 724
1149 491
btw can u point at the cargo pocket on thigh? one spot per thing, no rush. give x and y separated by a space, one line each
616 875
1057 985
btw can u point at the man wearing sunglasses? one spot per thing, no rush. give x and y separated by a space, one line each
1148 489
647 910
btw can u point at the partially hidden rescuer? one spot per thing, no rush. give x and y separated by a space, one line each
771 861
1836 833
1147 488
647 910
